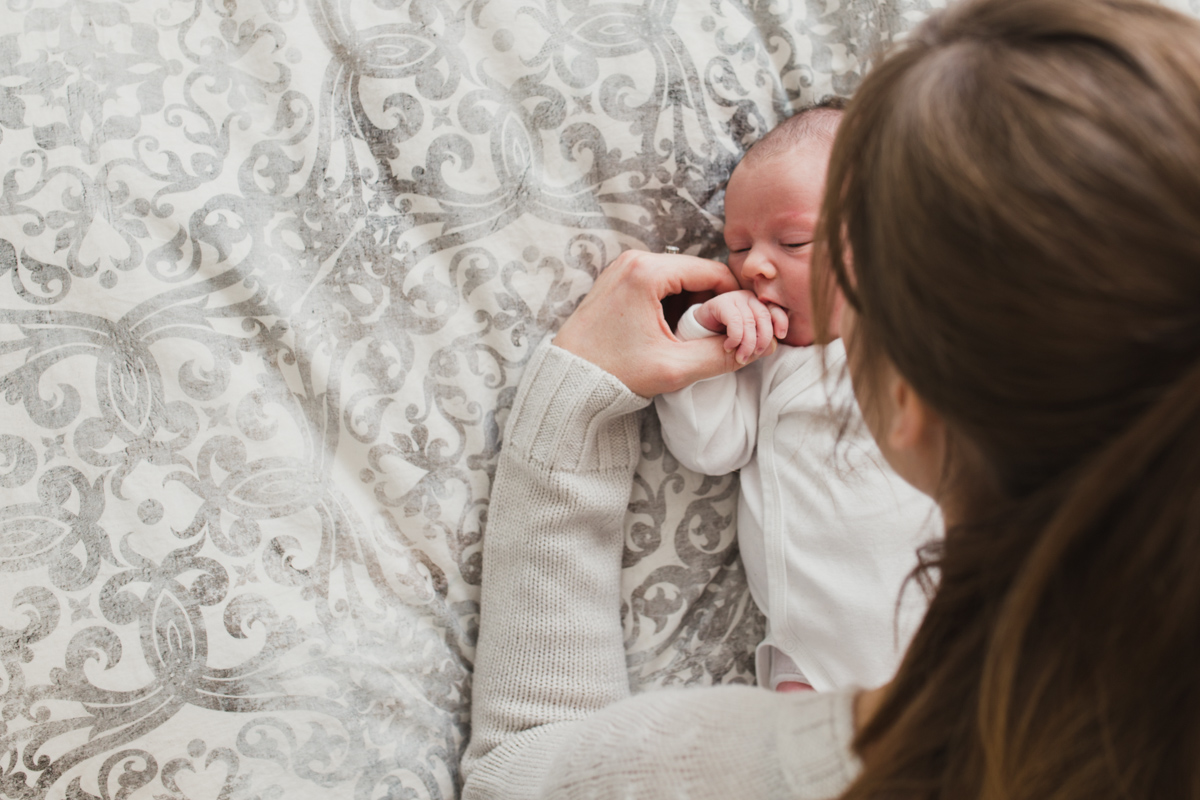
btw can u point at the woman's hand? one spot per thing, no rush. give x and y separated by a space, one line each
619 326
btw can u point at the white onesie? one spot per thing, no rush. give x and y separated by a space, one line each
828 532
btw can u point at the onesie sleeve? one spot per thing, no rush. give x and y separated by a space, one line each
711 427
552 715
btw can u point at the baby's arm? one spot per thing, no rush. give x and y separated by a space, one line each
749 324
711 427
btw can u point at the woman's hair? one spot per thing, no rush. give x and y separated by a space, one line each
1019 187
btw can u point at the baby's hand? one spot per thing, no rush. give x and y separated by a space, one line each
749 324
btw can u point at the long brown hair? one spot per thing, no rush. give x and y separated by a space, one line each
1019 186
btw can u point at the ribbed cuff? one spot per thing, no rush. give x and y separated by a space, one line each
570 414
689 328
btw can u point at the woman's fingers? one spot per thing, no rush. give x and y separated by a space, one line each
672 274
695 361
619 326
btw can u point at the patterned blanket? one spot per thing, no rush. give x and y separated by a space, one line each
270 271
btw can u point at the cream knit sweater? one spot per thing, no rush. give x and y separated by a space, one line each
552 711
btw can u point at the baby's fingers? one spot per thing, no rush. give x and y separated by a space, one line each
779 319
734 329
748 347
763 324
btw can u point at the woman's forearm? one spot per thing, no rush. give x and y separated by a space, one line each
550 645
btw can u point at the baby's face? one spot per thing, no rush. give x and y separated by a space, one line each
771 209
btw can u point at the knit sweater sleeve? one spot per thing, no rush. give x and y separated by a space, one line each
551 711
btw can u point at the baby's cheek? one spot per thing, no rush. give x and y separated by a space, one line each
735 266
800 298
800 333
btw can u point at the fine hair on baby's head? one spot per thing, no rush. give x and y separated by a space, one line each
815 120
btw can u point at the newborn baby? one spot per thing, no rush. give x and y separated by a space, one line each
827 531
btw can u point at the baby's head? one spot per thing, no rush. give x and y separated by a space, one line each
771 208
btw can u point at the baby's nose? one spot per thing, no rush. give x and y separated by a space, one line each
757 264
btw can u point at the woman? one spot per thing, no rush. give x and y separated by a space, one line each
1020 189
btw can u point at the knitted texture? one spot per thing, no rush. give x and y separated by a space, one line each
552 716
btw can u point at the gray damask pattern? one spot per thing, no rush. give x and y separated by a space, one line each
269 275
